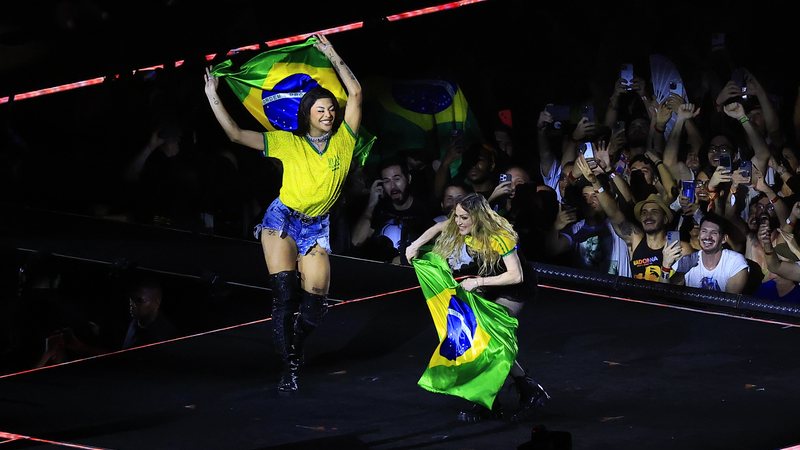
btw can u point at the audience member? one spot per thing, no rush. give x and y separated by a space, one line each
393 217
712 267
148 323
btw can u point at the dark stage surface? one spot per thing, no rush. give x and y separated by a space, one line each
623 375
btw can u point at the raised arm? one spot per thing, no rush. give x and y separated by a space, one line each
248 138
430 233
684 114
624 229
761 156
771 119
352 112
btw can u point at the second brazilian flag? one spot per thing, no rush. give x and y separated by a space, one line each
477 342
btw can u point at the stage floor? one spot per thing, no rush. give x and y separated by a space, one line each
622 375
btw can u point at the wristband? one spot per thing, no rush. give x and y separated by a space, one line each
744 119
789 221
612 175
775 200
600 190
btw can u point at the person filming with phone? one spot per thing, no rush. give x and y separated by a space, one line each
712 267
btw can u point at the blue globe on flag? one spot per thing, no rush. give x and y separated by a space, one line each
283 101
424 96
461 327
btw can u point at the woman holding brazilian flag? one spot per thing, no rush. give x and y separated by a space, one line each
475 319
294 92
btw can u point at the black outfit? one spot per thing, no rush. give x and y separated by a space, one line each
395 230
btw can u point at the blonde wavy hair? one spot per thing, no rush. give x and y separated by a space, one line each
485 224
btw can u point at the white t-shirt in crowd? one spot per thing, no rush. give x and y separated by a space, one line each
697 275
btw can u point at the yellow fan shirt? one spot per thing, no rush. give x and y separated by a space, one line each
312 180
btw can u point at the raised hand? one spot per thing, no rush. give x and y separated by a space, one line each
212 82
323 45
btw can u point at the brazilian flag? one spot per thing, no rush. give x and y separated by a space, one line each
272 83
418 115
477 341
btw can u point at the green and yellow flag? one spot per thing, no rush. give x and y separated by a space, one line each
272 83
418 115
477 341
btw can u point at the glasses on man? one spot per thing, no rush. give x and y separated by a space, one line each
761 207
717 149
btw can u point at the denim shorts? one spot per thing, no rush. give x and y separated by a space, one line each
305 230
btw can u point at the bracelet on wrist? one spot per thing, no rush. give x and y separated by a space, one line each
744 119
774 200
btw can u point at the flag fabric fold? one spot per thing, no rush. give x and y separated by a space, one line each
418 115
477 341
271 84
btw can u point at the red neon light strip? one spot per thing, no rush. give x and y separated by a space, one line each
160 66
431 9
273 43
17 437
234 51
304 36
62 88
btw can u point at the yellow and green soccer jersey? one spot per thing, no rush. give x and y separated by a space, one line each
312 181
503 244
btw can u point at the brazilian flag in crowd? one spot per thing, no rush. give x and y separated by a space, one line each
271 85
418 115
477 342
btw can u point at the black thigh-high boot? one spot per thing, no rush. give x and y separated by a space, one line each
312 308
285 304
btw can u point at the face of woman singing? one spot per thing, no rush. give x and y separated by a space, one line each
463 221
321 116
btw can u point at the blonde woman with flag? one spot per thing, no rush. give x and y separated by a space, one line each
502 278
294 232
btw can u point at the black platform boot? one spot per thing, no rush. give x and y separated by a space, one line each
312 308
285 304
531 394
477 413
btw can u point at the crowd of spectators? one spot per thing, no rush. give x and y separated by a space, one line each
692 183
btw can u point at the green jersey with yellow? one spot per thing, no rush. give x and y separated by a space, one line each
312 179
